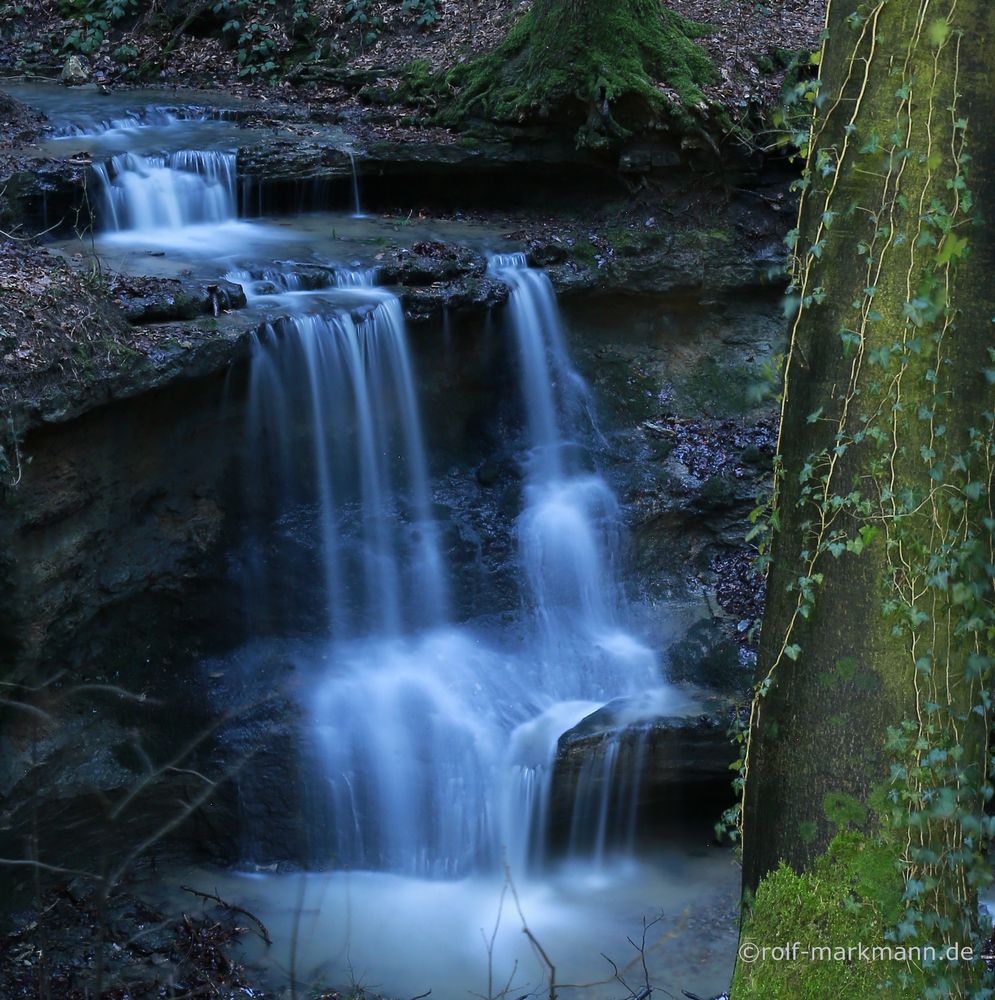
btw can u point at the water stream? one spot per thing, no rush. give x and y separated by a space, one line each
429 741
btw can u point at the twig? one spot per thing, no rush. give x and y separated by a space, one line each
28 239
231 908
42 866
539 950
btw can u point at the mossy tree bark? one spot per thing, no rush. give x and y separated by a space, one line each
602 66
871 711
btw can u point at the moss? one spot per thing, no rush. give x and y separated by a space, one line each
582 59
419 84
584 253
851 897
627 242
719 389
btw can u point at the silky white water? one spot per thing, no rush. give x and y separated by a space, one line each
400 936
180 202
436 742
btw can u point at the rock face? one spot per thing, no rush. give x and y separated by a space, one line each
76 71
112 509
166 300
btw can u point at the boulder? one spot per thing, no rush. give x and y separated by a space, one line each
660 751
163 300
76 71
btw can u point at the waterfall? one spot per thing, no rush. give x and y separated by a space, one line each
145 194
568 531
347 379
357 206
434 744
154 116
570 527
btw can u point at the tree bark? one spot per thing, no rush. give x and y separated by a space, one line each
882 393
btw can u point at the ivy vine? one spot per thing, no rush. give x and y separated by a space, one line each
925 492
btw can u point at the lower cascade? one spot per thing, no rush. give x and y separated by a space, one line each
433 740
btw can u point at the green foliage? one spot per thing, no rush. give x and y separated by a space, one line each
95 18
425 12
369 25
594 56
249 25
419 85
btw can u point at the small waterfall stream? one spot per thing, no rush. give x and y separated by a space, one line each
348 380
153 193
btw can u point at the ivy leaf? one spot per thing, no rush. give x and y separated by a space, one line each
952 247
937 32
792 652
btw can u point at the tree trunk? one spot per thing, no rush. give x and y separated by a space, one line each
873 647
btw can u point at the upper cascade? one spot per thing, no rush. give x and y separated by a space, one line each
167 191
133 120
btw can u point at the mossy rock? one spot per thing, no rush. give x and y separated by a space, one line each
852 897
604 69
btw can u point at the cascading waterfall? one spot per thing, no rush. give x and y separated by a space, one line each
155 116
568 530
436 747
428 744
348 380
166 192
570 525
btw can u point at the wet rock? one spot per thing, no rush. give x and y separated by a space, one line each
164 300
427 262
654 757
469 293
490 472
292 160
546 252
76 71
707 655
432 277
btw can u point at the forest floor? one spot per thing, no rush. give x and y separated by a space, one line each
750 44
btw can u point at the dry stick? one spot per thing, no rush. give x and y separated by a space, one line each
231 908
641 948
42 866
490 944
28 239
539 950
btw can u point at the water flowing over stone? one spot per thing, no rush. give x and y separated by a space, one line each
435 742
147 194
569 531
334 418
161 116
357 205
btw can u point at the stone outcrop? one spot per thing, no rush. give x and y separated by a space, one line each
677 760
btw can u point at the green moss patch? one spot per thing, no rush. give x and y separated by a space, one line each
600 63
851 897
